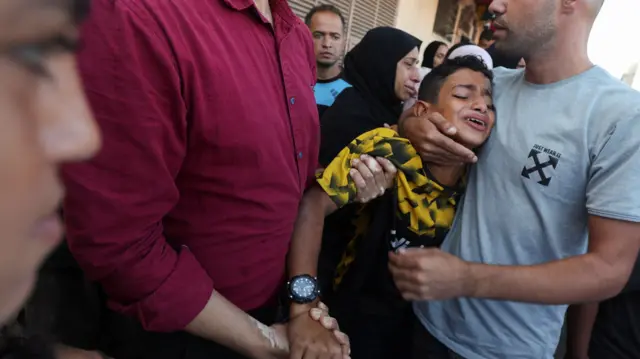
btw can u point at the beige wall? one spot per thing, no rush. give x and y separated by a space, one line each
417 17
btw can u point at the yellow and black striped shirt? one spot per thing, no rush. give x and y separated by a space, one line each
425 208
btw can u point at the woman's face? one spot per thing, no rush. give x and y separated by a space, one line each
407 76
44 123
440 55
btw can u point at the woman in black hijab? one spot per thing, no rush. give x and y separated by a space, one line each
434 54
382 71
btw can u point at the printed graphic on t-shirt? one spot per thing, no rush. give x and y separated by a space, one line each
541 164
327 91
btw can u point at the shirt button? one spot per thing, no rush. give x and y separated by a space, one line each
293 100
300 155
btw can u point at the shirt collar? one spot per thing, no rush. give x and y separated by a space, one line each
330 80
451 193
239 4
279 8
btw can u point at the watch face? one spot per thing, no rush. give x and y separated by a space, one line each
304 287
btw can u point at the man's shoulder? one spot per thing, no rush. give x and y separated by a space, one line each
606 83
158 16
610 101
595 91
142 7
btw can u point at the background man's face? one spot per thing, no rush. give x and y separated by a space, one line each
524 27
328 39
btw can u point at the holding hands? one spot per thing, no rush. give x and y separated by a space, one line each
315 335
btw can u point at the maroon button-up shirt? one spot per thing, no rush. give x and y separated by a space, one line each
210 134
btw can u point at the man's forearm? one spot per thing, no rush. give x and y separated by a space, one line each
224 323
307 237
579 279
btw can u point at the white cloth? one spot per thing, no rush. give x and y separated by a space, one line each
467 50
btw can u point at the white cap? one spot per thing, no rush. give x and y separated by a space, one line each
466 50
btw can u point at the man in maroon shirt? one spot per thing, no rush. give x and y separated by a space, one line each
210 137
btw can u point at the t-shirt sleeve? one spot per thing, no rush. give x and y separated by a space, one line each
613 189
335 179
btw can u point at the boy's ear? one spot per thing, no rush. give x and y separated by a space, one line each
420 108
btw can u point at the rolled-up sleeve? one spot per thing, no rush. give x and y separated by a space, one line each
116 202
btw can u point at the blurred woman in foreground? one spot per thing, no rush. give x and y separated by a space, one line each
44 123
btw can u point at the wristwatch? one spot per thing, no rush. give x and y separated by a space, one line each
303 289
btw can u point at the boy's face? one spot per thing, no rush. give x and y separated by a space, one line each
466 101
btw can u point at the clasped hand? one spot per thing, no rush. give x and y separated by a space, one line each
316 335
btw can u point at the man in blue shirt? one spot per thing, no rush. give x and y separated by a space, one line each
327 27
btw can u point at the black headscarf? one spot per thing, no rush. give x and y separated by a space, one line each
430 53
370 68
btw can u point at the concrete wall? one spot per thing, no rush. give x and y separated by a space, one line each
417 18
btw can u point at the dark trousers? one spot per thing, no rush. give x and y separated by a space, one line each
378 327
67 308
374 336
426 346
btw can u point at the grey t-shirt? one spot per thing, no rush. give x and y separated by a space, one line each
558 153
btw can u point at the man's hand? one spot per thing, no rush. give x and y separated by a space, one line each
321 314
432 139
310 339
372 177
430 274
278 342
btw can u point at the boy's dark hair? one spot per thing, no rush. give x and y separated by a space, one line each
325 8
432 83
486 35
